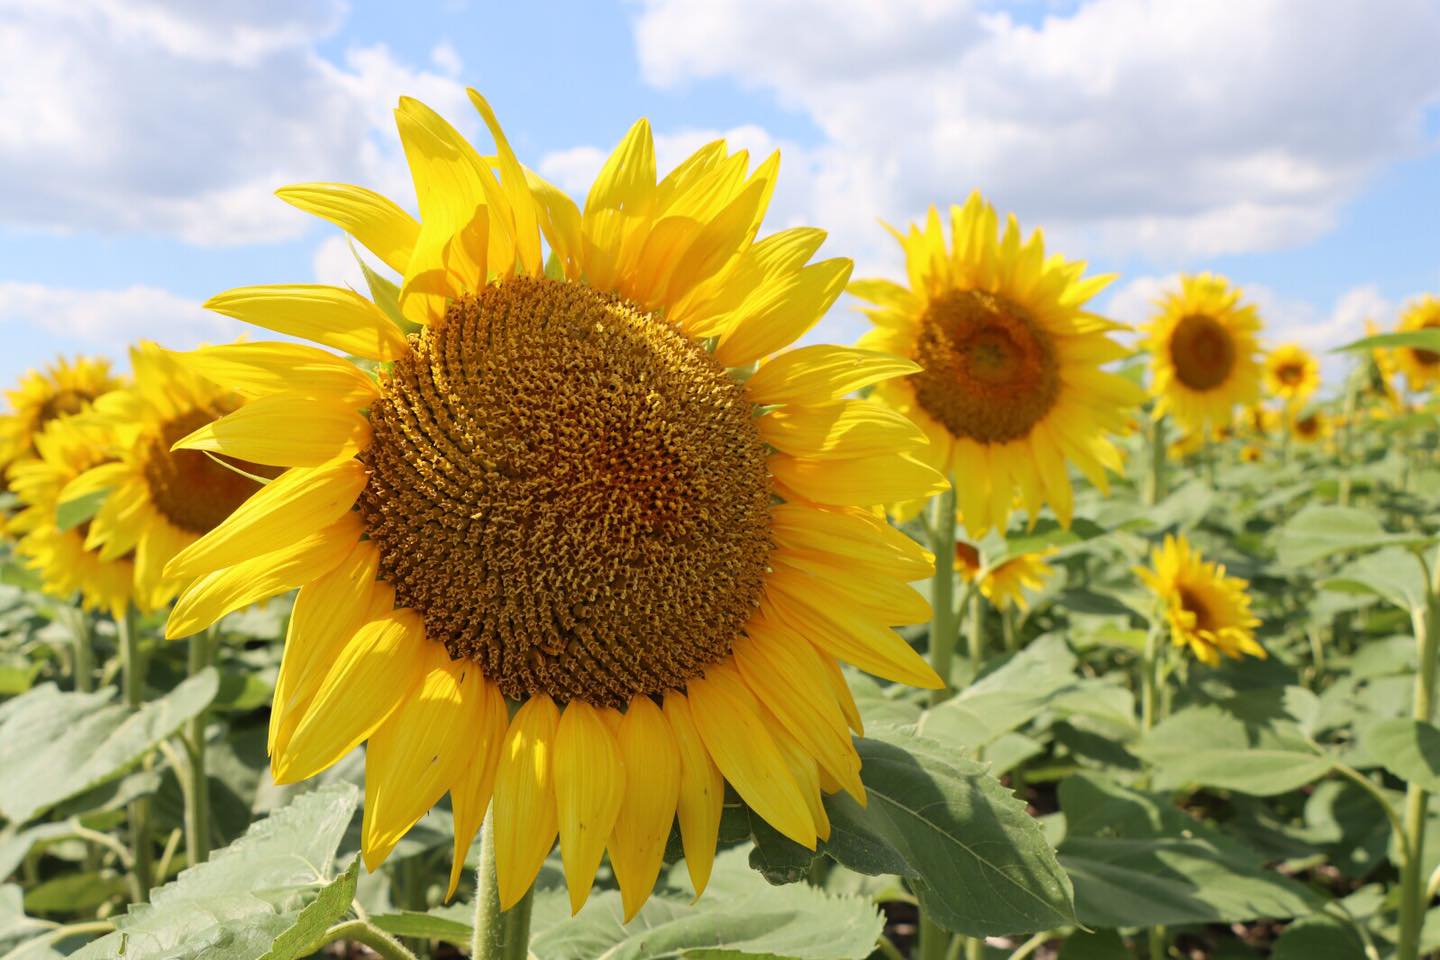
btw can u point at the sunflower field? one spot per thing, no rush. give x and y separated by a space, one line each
561 595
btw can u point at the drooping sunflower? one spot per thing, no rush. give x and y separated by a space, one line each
1005 584
1291 373
1011 384
63 387
1420 366
157 500
572 490
1203 352
1207 611
1312 426
65 447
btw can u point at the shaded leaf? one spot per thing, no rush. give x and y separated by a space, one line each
1319 531
1408 748
1210 747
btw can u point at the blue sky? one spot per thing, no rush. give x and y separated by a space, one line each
1290 145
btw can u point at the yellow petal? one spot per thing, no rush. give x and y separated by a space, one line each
332 316
851 541
802 300
628 178
589 785
295 504
862 481
702 792
225 591
560 222
839 428
652 790
887 600
734 731
525 817
414 755
517 191
484 717
805 771
376 672
260 369
284 430
376 221
823 372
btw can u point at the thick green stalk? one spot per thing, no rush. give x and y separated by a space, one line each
132 681
1155 481
498 934
943 623
1150 707
976 640
1007 629
1412 880
1352 400
197 800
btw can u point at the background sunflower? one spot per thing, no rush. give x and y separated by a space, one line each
1203 352
1420 366
1291 373
1207 611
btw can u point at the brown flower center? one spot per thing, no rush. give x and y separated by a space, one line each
1202 351
570 492
990 371
1426 358
1192 602
62 404
191 488
1290 374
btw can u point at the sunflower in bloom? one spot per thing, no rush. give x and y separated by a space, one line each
575 491
1011 384
157 500
1420 366
1291 373
1383 372
1312 427
1203 352
64 387
1005 585
1206 610
66 447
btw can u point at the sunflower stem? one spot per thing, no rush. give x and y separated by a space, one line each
977 632
1150 677
1413 900
498 934
197 799
1155 482
82 635
365 932
943 623
1007 629
1352 400
132 682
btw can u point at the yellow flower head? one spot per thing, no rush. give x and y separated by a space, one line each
65 447
64 387
1384 370
1207 611
1251 453
1421 366
1011 386
572 489
1258 421
161 500
1203 352
1005 584
1312 426
1291 373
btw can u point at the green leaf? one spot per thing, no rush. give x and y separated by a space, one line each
308 929
15 926
1137 861
450 923
976 859
73 892
384 292
775 856
1210 747
1044 534
1421 339
1393 574
54 745
1003 700
1408 748
739 916
72 513
1321 937
1099 945
1318 531
241 902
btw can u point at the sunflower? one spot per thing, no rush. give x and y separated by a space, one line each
1251 453
1004 585
158 501
65 447
1312 427
1203 352
1258 421
64 387
1291 373
1207 611
1383 372
1011 385
1421 366
572 490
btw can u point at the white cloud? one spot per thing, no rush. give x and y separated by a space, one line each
182 119
108 321
1165 127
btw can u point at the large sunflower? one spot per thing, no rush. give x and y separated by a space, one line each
158 501
1203 352
571 490
1420 366
65 447
1011 385
1206 610
1291 373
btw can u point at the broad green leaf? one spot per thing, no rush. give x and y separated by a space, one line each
1319 531
1183 509
74 892
15 926
776 857
1099 945
309 926
1320 937
1138 861
1210 747
1003 700
72 513
54 745
976 859
243 902
739 916
451 922
1425 339
1410 749
1047 533
1393 574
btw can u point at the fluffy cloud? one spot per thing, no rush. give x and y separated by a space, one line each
1171 128
181 119
107 321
